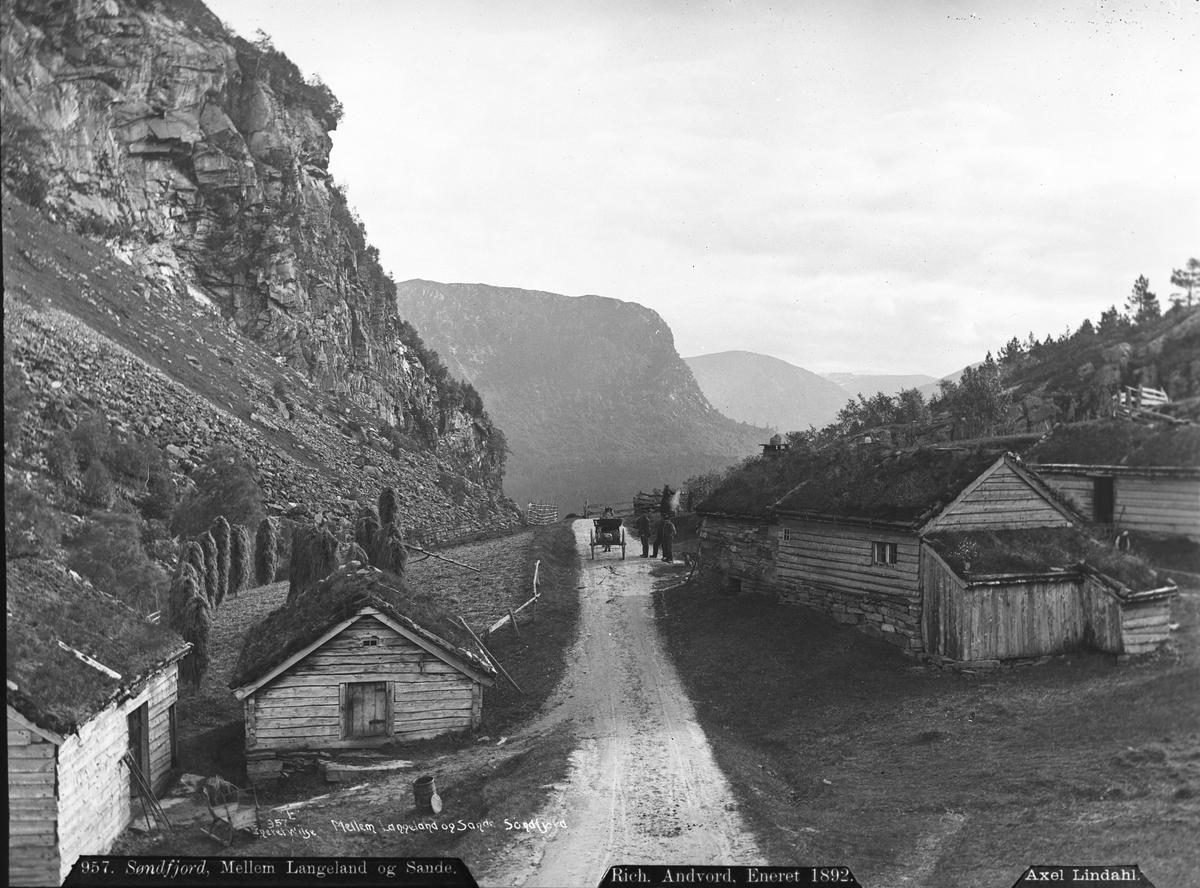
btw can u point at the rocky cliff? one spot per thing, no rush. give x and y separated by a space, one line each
203 158
592 395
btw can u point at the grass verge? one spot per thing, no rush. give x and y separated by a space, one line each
842 751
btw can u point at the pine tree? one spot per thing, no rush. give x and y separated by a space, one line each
1142 304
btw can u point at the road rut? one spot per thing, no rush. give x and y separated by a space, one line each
643 787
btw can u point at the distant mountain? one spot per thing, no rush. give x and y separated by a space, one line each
758 388
868 384
591 394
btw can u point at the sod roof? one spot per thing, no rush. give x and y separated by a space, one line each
1119 443
902 488
47 604
1039 550
293 627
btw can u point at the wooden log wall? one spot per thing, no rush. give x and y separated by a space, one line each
831 568
1004 500
739 553
1102 616
302 708
32 808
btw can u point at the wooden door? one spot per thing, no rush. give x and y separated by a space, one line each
1103 500
138 721
367 710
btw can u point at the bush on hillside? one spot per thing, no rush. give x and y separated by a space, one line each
224 485
92 439
60 457
32 527
108 551
96 486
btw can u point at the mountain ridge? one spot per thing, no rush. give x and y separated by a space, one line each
605 394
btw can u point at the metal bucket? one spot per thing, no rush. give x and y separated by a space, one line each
423 792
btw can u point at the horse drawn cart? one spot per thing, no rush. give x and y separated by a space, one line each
608 534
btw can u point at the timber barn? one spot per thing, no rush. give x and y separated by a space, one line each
356 661
89 681
1126 475
850 533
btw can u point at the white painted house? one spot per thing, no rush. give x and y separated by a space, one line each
89 680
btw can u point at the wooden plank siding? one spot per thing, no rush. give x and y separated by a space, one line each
839 557
1001 620
305 707
32 808
94 804
1003 500
1141 503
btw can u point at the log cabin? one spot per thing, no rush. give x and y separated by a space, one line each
89 680
357 661
849 537
1124 475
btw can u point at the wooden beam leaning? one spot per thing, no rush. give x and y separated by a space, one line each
490 655
440 557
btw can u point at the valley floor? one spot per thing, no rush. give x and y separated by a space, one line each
843 752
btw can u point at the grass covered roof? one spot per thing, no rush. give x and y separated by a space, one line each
293 627
900 487
46 604
1119 443
1039 550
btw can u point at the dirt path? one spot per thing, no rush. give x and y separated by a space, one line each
644 787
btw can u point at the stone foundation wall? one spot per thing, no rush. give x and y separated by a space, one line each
895 619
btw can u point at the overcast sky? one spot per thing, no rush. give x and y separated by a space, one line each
867 187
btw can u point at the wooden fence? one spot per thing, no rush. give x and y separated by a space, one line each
538 514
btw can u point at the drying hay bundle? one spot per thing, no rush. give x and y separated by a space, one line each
241 559
196 628
388 507
354 552
193 556
314 557
266 553
366 529
209 545
220 531
185 585
390 553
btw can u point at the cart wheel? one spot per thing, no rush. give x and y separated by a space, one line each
622 553
593 551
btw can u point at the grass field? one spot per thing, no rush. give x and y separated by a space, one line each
842 751
478 778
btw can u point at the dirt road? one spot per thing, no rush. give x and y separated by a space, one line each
644 787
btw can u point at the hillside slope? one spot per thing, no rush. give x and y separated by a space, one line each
203 159
750 387
82 341
867 384
593 397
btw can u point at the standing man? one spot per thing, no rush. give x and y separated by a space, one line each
668 537
643 529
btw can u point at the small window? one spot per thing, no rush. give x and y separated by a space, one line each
883 553
370 641
787 534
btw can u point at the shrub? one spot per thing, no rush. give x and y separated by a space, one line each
241 559
220 534
197 629
92 439
314 557
225 486
131 459
97 486
108 551
266 553
388 506
32 527
60 457
159 501
209 546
